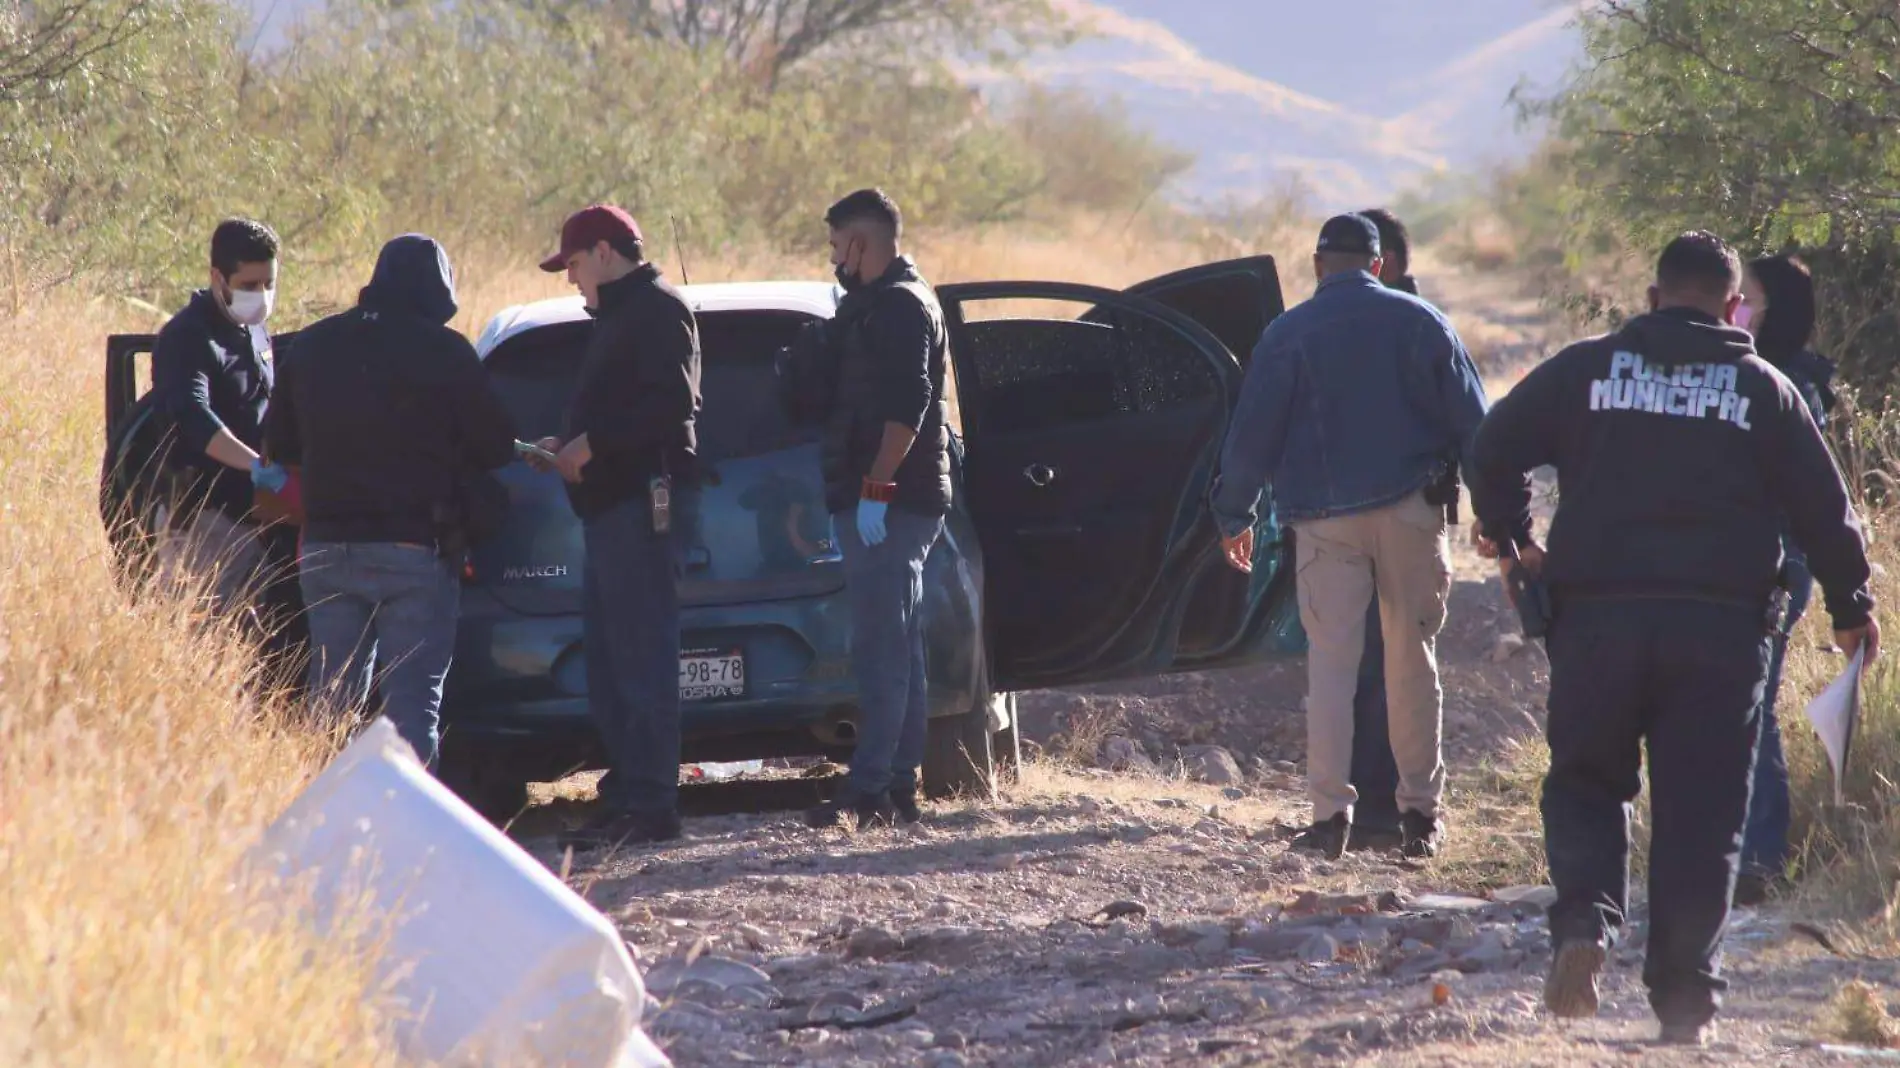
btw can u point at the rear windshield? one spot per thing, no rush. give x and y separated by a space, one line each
534 376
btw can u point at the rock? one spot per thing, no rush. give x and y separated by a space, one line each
872 942
945 1058
951 946
1125 754
915 1038
1272 941
1448 903
1491 951
686 1018
1506 647
1152 960
723 973
1541 897
838 1001
1088 806
1233 793
953 1040
1320 949
1213 765
755 938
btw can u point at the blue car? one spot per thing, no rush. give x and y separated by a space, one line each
1087 426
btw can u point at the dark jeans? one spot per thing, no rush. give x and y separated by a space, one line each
631 612
1765 839
1375 773
381 613
885 584
1685 678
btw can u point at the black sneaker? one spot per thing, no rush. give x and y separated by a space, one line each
620 829
1570 991
863 811
1420 834
904 802
1328 838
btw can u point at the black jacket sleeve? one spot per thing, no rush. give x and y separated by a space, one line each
484 428
1805 483
900 336
182 368
283 440
1517 436
656 390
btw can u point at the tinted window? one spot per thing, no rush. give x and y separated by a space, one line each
1049 370
535 373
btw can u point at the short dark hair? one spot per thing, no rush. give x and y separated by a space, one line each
237 242
1787 327
1394 240
1700 262
632 251
872 204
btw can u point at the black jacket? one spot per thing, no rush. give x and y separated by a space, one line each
637 397
1678 450
386 408
209 375
880 360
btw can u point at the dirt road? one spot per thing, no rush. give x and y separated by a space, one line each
1098 916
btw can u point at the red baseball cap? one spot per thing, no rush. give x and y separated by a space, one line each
589 227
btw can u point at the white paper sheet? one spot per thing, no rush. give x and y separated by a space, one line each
1835 712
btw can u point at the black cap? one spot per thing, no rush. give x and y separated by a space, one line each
1351 234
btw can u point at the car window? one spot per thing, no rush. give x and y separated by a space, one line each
534 375
1042 365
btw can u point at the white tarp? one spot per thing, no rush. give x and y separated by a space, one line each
1835 712
497 961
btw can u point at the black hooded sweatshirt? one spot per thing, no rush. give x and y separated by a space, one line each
385 407
1677 450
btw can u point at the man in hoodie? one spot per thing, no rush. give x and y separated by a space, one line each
387 411
1350 406
1679 450
630 460
887 487
212 376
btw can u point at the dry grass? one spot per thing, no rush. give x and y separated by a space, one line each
1858 1015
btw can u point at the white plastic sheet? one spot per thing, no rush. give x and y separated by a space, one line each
1835 712
496 960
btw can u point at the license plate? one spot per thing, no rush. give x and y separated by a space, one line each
708 674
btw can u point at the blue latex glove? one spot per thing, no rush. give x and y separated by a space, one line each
269 477
871 521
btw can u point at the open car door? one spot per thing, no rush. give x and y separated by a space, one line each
1093 422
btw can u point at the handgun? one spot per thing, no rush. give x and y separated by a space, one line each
1529 595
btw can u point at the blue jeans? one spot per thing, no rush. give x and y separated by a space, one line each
1765 838
885 584
1375 772
631 612
384 614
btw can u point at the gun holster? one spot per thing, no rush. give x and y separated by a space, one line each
1443 490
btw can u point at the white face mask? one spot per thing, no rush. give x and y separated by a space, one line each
252 307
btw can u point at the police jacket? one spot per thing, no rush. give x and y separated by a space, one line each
637 396
1678 451
386 408
211 374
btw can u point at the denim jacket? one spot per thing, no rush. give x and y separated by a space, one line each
1353 401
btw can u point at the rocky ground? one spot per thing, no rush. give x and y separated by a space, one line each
1131 900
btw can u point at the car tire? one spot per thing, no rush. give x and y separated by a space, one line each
485 784
960 754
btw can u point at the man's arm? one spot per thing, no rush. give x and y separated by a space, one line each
1516 437
1461 395
182 367
1807 486
1256 437
900 334
283 439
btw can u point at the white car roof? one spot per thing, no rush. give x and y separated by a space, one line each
813 298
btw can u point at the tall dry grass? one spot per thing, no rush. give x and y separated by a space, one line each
136 761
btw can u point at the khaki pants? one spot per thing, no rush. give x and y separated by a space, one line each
215 556
1401 553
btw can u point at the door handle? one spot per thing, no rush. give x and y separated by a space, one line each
1039 474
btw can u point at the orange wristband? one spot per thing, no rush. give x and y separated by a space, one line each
882 492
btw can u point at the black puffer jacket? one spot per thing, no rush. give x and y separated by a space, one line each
880 360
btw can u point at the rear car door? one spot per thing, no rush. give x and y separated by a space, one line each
1234 618
1093 422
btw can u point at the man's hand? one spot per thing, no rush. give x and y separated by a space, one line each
1239 551
573 456
1486 548
1531 556
1851 641
551 445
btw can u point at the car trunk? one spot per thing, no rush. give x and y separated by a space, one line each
762 531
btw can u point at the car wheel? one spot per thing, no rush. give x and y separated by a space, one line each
959 756
485 784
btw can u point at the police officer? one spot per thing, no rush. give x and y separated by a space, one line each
629 458
1678 450
212 376
386 411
